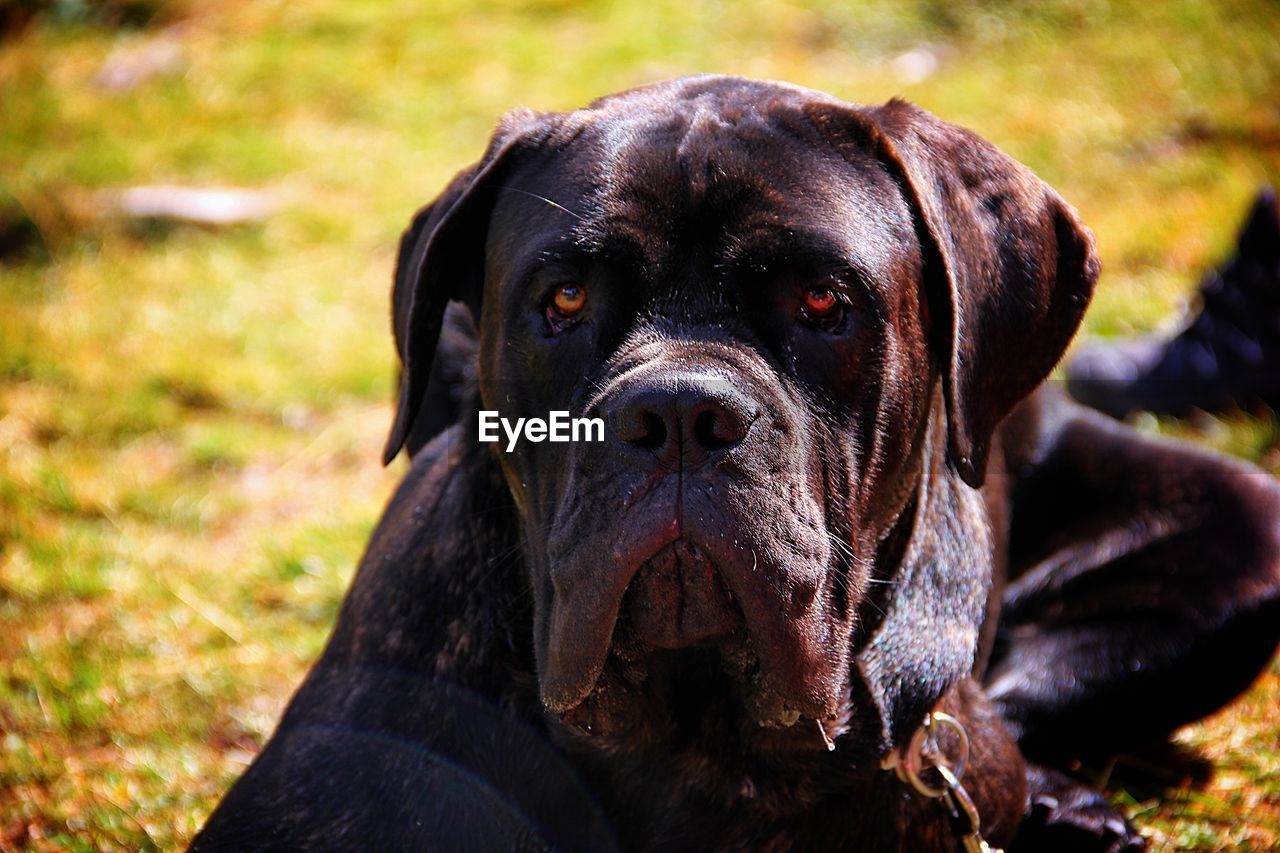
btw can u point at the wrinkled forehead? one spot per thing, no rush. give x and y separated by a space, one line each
701 180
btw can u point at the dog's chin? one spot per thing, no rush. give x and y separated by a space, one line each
682 661
652 698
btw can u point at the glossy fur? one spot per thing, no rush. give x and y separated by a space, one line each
801 531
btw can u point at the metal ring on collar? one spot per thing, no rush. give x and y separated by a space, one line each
915 759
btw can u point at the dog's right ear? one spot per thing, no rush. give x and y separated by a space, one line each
1008 266
441 258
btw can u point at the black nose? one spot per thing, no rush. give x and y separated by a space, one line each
683 418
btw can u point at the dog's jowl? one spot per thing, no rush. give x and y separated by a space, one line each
833 522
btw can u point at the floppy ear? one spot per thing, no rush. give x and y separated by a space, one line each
441 258
1009 268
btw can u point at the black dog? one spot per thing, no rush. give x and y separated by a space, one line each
826 508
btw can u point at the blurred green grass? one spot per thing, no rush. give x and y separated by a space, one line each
190 419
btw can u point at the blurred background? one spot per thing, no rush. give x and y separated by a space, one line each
195 387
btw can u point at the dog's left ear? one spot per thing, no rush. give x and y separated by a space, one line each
441 258
1009 268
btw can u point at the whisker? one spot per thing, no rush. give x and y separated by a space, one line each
579 217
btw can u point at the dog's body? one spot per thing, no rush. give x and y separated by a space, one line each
809 327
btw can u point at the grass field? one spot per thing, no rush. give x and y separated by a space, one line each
190 418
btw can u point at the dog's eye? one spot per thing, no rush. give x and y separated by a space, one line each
822 306
569 299
567 302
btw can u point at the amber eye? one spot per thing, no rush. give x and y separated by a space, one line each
569 300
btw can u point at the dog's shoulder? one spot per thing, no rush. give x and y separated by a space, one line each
440 588
418 727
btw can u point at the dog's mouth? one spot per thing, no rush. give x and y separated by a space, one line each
678 599
681 654
724 570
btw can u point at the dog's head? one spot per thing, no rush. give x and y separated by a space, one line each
788 311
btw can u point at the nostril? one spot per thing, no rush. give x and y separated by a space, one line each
653 432
716 429
704 432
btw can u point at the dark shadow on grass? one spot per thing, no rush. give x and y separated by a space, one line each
20 239
17 16
1155 770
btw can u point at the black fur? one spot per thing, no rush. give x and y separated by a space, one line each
803 529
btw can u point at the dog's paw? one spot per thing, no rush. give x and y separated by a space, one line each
1066 817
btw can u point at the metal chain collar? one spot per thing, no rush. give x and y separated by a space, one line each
924 753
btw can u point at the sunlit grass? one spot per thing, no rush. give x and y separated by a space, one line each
190 420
